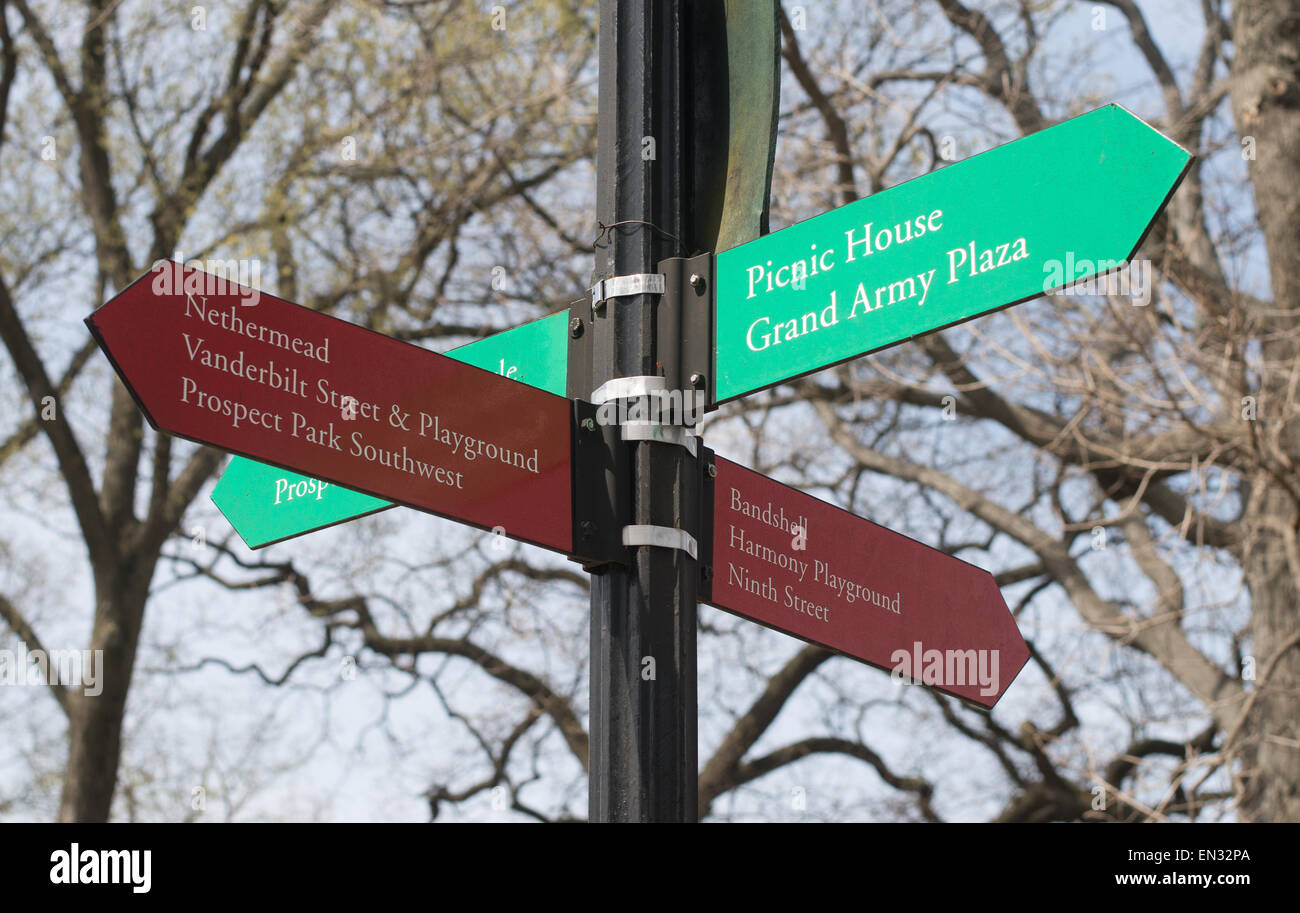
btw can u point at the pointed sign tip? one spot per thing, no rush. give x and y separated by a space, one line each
1118 109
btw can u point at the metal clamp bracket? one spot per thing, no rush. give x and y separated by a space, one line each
602 492
685 328
622 286
660 537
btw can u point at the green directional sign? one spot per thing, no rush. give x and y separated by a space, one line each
1068 203
266 505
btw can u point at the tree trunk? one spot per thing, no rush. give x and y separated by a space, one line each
95 722
1266 107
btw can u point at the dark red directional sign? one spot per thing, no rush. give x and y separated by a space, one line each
245 371
795 563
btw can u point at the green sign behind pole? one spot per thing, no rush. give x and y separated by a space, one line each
267 505
1061 205
735 83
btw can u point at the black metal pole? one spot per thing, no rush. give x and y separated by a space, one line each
643 764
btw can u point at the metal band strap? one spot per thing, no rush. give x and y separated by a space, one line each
660 537
628 388
622 286
633 388
664 434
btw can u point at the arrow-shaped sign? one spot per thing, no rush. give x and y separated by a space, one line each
220 364
1043 212
266 505
798 564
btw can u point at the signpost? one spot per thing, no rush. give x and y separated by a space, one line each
795 563
289 386
642 753
371 420
266 505
985 233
